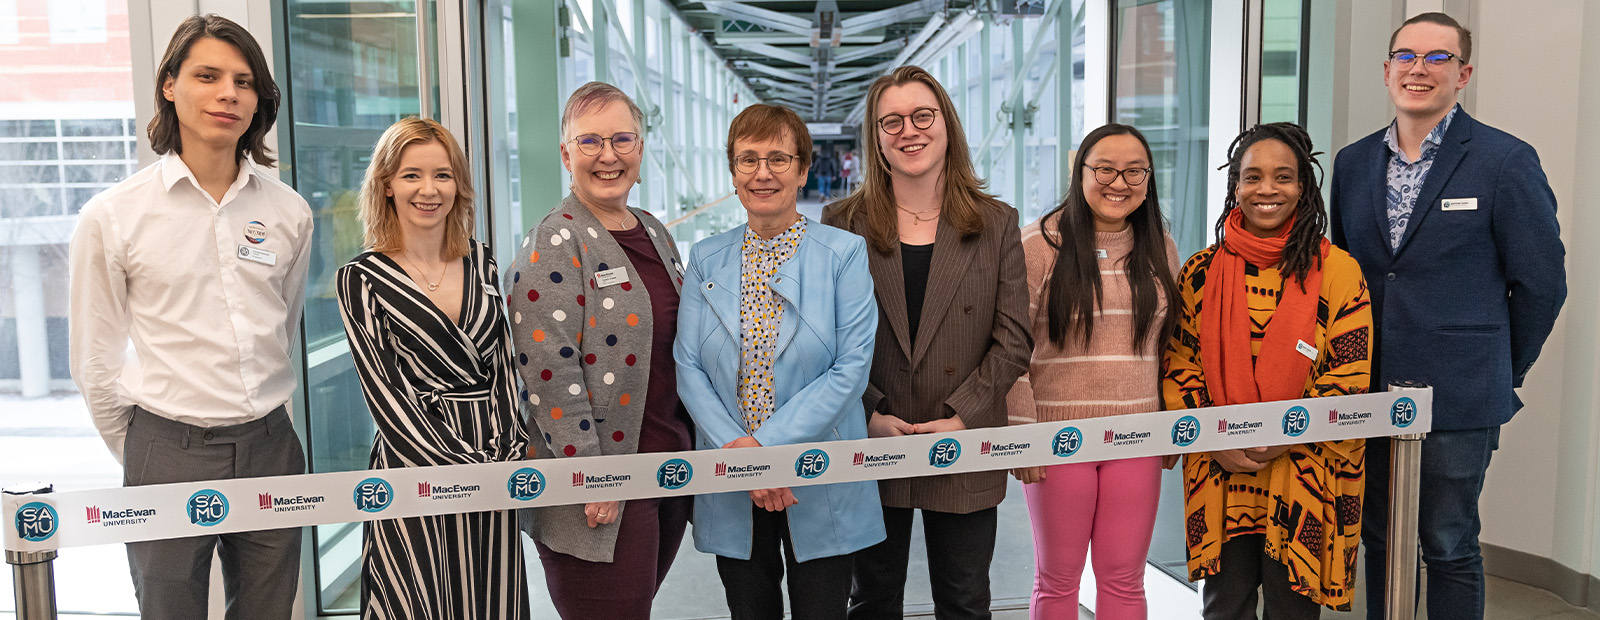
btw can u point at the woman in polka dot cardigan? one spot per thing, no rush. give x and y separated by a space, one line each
594 303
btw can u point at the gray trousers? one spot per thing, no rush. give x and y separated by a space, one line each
260 570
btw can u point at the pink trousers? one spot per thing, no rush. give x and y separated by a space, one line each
1112 503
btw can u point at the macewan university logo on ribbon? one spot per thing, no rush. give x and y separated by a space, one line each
1296 420
1403 413
674 474
207 508
1003 449
113 517
289 504
37 522
525 484
811 463
373 495
1185 431
1066 442
944 453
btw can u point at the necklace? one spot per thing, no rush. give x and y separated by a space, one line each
916 216
432 286
619 223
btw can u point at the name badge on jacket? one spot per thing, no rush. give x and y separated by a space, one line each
1458 204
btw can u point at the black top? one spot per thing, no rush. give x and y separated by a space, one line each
915 259
666 424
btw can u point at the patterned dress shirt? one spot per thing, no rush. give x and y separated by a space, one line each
1406 177
760 314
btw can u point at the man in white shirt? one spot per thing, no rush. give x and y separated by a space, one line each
200 260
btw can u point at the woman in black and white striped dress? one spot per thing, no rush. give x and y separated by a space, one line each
430 343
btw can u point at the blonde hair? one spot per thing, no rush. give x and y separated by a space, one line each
593 96
961 191
380 223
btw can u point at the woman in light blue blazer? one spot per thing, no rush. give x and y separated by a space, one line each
775 338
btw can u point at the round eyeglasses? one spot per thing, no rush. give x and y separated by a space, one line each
776 162
1107 175
623 142
921 118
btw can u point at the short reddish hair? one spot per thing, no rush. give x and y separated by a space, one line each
770 122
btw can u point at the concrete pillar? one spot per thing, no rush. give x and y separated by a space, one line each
33 348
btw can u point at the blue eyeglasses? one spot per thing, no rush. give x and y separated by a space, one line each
1407 58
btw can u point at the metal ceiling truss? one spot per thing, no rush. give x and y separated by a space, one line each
820 57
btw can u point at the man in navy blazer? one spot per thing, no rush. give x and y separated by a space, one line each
1454 226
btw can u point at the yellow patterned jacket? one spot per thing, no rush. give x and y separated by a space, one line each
1308 501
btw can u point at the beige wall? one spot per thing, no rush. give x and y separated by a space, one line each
1540 497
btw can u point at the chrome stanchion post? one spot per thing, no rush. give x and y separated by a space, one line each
1405 458
32 573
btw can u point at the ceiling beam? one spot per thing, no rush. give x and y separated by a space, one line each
757 15
887 47
779 53
786 74
879 19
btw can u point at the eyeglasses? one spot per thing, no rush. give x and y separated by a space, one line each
893 124
776 162
1107 175
623 142
1436 58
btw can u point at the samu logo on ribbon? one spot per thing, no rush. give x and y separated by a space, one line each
1185 431
36 521
1067 442
1404 412
525 484
1296 420
674 474
944 453
207 508
373 495
812 463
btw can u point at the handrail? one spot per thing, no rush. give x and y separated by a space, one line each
696 211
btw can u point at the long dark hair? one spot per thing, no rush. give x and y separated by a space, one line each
1303 251
1075 289
163 130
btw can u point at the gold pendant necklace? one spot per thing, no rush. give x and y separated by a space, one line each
916 216
432 286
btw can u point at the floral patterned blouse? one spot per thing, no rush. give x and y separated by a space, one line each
760 314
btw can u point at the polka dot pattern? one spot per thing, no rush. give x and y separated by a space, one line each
760 314
553 319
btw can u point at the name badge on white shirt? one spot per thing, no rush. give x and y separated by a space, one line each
490 290
258 255
610 277
1458 204
1101 254
1306 349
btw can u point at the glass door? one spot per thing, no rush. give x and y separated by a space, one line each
351 70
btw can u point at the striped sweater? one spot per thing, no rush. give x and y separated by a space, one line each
1107 376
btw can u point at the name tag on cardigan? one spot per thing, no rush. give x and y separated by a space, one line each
1306 349
1458 204
610 277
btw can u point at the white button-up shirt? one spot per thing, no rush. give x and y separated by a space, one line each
156 260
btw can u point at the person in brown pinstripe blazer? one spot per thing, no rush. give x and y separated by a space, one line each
953 336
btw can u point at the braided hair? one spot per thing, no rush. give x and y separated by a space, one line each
1302 252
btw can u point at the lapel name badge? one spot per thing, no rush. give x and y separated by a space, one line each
610 277
255 232
258 255
490 290
1458 204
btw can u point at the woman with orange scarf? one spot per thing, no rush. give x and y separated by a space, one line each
1271 312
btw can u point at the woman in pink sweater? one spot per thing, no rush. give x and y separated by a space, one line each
1101 269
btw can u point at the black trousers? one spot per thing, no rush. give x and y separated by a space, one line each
960 548
818 589
1231 594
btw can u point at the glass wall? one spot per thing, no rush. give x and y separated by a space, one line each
67 132
349 71
1161 84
